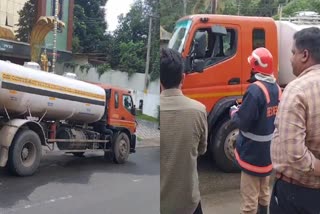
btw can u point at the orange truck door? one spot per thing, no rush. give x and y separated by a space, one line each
127 116
120 115
222 75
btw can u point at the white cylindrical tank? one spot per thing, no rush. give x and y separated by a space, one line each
286 30
25 91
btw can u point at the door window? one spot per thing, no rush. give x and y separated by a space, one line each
219 47
259 38
127 102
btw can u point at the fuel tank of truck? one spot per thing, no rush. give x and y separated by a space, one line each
286 30
29 92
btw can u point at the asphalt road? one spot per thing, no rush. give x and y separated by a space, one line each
219 191
213 180
65 184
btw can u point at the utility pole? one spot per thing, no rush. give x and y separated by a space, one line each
280 12
148 57
184 7
213 6
238 7
54 54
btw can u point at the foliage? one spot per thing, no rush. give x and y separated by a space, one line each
301 5
131 60
128 44
71 65
76 47
171 10
133 26
86 67
101 69
89 26
27 20
146 117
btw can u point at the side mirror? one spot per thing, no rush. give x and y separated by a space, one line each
199 48
198 65
218 29
133 110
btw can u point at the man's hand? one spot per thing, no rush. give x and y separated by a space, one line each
233 109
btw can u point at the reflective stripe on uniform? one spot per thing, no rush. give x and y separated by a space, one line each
255 137
264 89
250 167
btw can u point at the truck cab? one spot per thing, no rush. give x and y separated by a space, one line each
215 49
120 113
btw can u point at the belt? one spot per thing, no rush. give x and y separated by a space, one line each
284 178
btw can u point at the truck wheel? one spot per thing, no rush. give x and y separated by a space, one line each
25 153
223 146
78 154
121 148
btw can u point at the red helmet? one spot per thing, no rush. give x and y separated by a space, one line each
261 61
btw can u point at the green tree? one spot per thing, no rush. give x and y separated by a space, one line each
27 20
129 43
300 5
133 26
131 60
89 26
171 10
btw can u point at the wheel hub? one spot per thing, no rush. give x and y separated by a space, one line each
28 154
123 148
25 153
229 144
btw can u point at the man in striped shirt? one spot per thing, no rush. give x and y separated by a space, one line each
295 148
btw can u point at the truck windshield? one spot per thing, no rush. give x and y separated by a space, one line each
179 35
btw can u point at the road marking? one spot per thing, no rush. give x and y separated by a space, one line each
65 197
28 206
137 180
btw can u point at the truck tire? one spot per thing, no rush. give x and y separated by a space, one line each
25 153
121 148
223 146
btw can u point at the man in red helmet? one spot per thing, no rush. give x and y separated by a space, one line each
255 119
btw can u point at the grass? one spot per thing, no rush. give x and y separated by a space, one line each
147 118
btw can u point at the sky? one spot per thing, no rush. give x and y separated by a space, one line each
113 9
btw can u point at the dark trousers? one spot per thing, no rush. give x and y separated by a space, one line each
293 199
199 209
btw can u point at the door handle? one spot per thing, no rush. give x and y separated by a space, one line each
234 81
122 118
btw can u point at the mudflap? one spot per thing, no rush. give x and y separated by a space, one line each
133 143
